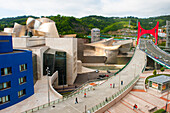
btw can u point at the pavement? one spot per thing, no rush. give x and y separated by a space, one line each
100 93
39 97
144 100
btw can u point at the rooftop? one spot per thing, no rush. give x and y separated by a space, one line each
160 79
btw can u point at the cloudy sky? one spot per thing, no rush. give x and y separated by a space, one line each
81 8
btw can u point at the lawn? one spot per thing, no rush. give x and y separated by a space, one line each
160 111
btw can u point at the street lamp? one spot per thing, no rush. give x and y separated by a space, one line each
167 99
48 73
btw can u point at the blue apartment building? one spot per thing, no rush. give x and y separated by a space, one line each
16 73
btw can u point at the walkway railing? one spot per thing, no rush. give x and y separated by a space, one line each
60 100
114 96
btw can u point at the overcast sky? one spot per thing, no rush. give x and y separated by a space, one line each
81 8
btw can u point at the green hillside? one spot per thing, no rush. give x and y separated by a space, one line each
82 26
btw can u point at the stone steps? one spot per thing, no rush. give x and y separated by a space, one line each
140 84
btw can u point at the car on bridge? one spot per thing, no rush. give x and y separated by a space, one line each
156 57
160 57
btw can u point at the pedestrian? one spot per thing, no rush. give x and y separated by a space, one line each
106 99
110 85
121 82
84 94
76 101
135 107
113 85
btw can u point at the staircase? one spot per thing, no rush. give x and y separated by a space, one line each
140 85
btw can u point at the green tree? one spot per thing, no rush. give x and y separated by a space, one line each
162 69
154 72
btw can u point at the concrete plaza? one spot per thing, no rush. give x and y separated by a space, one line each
145 100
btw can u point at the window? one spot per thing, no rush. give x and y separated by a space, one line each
21 93
4 99
23 67
5 85
22 80
6 71
159 86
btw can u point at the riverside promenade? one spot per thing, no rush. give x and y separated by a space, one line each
100 93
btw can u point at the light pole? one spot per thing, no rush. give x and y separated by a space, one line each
119 81
167 99
48 73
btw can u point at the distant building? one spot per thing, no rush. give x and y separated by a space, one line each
95 35
168 34
161 33
16 73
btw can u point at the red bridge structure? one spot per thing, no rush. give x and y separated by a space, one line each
153 31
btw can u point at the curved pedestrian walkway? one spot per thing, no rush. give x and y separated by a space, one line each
100 93
144 100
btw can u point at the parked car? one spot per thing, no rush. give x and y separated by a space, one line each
102 76
97 71
108 71
107 75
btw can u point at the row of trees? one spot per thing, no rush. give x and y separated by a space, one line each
68 25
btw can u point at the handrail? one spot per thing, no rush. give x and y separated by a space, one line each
114 96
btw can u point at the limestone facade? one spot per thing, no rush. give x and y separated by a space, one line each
68 45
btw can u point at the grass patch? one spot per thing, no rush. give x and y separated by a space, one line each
146 81
160 111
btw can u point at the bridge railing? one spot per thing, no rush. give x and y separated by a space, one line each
157 60
59 100
159 49
113 97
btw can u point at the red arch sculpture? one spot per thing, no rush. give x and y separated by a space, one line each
153 31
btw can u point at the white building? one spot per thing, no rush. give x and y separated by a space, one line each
95 35
168 34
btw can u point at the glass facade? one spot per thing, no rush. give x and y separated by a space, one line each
56 61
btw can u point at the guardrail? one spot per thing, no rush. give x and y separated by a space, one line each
159 49
114 96
157 60
58 100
